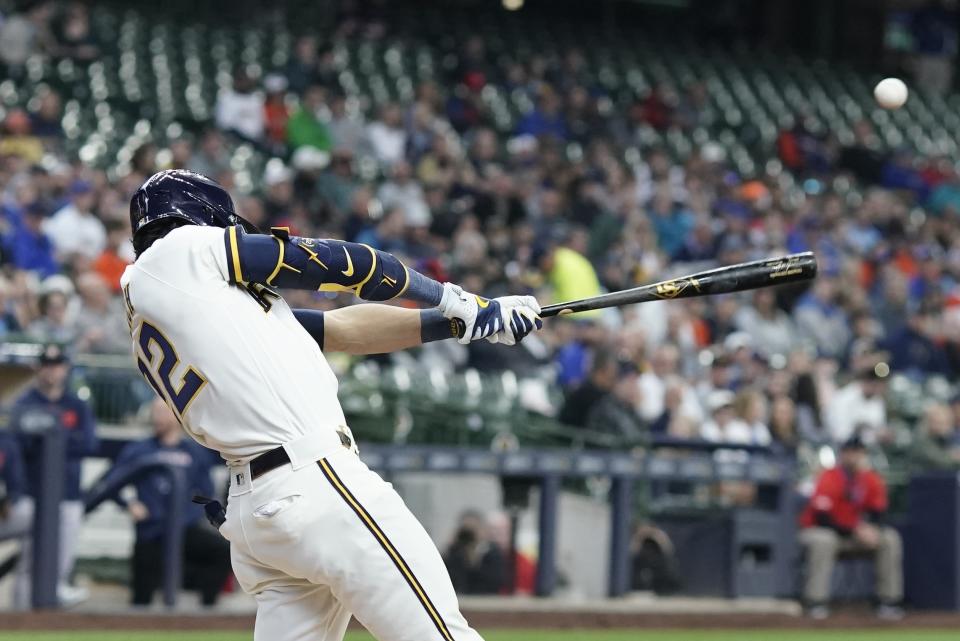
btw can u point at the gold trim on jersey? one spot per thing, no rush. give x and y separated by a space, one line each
235 254
388 547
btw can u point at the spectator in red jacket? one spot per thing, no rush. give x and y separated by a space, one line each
846 515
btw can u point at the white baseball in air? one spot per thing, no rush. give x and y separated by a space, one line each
890 93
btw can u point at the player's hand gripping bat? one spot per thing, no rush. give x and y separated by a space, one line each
723 280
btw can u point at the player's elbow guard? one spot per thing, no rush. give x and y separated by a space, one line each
291 262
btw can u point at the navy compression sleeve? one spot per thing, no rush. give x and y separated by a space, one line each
312 321
290 262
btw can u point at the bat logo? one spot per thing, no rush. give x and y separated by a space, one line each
784 268
674 288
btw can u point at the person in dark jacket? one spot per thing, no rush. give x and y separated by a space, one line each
617 412
476 564
846 514
16 509
50 405
206 554
578 403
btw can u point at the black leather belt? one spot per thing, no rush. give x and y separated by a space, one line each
269 461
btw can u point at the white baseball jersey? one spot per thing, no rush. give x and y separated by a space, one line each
323 538
243 377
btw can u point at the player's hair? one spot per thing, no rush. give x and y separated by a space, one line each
156 231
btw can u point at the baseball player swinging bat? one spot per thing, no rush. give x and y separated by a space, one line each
769 272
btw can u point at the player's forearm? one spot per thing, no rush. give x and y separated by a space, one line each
380 329
290 262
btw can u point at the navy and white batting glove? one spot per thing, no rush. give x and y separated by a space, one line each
520 316
481 316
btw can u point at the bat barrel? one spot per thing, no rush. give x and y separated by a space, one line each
723 280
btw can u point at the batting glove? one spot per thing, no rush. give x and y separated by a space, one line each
481 316
520 315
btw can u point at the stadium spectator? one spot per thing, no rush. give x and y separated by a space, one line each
305 128
16 508
386 135
936 444
275 111
302 68
24 34
45 121
206 554
50 405
751 409
74 38
212 158
56 323
346 125
616 412
917 349
846 515
859 407
771 329
580 401
656 108
9 321
29 248
822 320
75 229
546 119
723 425
101 322
663 374
568 272
784 428
475 563
240 109
404 192
337 184
524 568
18 141
278 196
115 257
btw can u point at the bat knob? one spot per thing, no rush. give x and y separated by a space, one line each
461 327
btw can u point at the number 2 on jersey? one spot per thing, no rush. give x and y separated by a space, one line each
159 369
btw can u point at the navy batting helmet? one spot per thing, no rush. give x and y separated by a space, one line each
185 195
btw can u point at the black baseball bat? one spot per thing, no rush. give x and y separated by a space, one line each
741 277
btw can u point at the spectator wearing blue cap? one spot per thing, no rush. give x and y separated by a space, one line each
30 249
50 405
75 229
206 554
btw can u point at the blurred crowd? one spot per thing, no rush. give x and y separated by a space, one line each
568 204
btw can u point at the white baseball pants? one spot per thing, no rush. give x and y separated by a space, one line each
318 542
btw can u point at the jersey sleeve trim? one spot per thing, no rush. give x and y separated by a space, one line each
233 254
